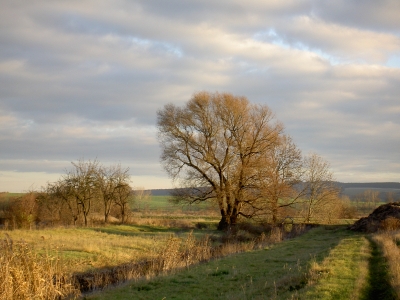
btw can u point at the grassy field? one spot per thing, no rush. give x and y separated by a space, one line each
162 203
322 261
327 262
387 245
87 248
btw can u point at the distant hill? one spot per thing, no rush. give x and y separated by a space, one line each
371 185
161 192
352 190
349 189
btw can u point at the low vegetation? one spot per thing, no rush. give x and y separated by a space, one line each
89 248
291 269
342 274
166 248
24 274
389 243
112 254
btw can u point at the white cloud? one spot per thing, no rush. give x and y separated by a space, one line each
86 79
338 42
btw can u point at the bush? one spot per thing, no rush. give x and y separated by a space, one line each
390 224
21 212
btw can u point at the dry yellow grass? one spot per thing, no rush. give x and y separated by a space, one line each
176 253
113 254
388 242
26 275
164 222
88 248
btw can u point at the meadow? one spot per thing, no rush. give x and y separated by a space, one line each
174 252
293 268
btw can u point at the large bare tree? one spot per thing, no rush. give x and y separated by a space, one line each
214 145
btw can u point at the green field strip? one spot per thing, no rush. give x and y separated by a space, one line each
274 272
342 274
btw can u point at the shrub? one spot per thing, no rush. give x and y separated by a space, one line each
22 211
390 224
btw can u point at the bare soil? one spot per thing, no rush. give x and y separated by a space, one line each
383 217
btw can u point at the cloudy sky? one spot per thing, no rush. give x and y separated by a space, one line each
84 79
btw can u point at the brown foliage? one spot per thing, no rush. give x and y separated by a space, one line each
218 142
22 212
390 224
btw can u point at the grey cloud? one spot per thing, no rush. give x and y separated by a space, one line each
86 79
372 15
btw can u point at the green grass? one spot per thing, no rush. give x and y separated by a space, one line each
343 273
378 286
132 230
162 203
279 271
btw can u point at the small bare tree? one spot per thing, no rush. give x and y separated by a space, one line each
122 194
141 196
279 178
371 197
81 185
60 194
110 181
392 197
319 186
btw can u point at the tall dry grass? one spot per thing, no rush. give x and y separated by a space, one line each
27 275
24 274
388 242
165 222
177 253
88 248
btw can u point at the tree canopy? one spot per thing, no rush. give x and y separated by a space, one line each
216 145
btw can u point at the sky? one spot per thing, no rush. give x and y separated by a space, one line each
85 79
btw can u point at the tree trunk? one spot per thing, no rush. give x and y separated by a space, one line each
274 216
224 223
308 216
274 211
228 219
123 215
85 218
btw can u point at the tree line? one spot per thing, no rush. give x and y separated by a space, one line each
222 148
217 147
87 189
